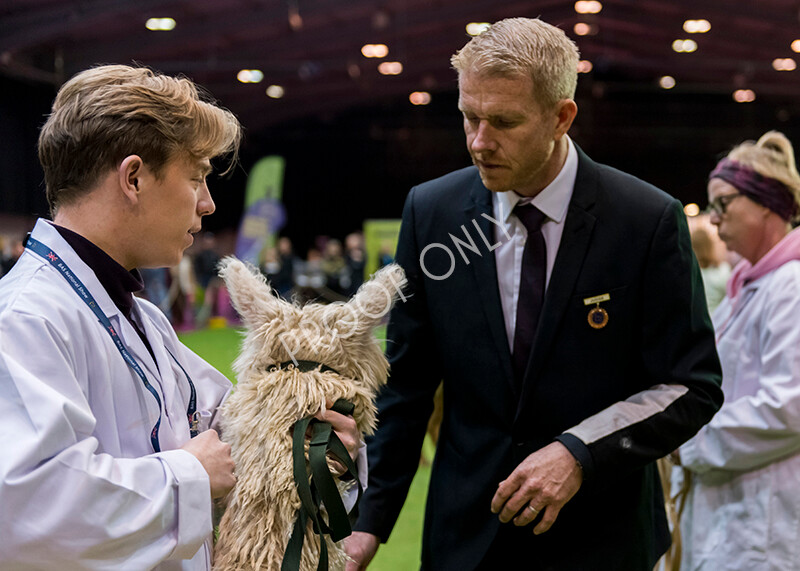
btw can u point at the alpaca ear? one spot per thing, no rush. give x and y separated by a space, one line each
374 299
251 295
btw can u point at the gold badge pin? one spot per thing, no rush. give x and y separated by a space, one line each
598 317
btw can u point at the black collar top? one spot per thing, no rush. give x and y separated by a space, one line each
119 283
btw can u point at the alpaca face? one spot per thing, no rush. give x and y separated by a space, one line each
339 335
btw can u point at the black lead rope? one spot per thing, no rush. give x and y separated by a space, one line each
321 487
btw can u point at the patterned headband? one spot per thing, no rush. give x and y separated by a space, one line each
761 189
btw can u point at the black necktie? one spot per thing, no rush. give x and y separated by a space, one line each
531 287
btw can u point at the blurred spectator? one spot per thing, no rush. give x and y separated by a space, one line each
16 251
271 265
385 255
205 268
156 287
280 265
311 273
206 260
310 280
181 295
356 259
337 277
711 254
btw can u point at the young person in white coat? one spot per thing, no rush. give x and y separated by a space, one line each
743 506
110 459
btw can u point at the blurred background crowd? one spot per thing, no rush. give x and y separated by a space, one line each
193 296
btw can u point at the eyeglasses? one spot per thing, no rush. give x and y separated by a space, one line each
720 204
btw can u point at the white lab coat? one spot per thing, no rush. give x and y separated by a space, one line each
743 511
80 485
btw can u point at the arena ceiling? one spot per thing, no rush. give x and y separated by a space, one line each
312 48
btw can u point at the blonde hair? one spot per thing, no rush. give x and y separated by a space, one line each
106 113
527 47
771 156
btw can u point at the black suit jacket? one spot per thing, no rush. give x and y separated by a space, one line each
646 382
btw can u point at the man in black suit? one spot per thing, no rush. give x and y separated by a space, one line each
559 302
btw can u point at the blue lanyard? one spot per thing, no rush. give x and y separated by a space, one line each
191 410
50 256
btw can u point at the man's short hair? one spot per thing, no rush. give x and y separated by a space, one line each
525 47
107 113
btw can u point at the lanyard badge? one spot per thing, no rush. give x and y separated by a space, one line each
53 259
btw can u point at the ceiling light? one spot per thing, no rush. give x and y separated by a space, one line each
744 95
696 26
582 29
420 98
477 28
584 66
784 64
684 46
275 91
250 76
390 68
588 7
691 209
375 50
160 24
667 82
796 46
295 20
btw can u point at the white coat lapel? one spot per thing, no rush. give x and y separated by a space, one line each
170 379
45 233
49 236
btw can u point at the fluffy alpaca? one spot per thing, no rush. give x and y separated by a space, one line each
259 415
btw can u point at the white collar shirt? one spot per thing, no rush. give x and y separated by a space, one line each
553 201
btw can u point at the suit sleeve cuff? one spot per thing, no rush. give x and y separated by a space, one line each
581 453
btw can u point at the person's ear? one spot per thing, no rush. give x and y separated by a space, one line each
566 110
129 175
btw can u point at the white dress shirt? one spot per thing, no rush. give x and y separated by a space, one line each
553 201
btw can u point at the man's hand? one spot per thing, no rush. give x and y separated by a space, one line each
360 547
215 456
542 483
347 431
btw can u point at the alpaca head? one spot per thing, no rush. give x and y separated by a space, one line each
339 335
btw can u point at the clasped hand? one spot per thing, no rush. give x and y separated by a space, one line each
215 455
347 431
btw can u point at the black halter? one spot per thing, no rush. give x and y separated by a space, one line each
302 366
